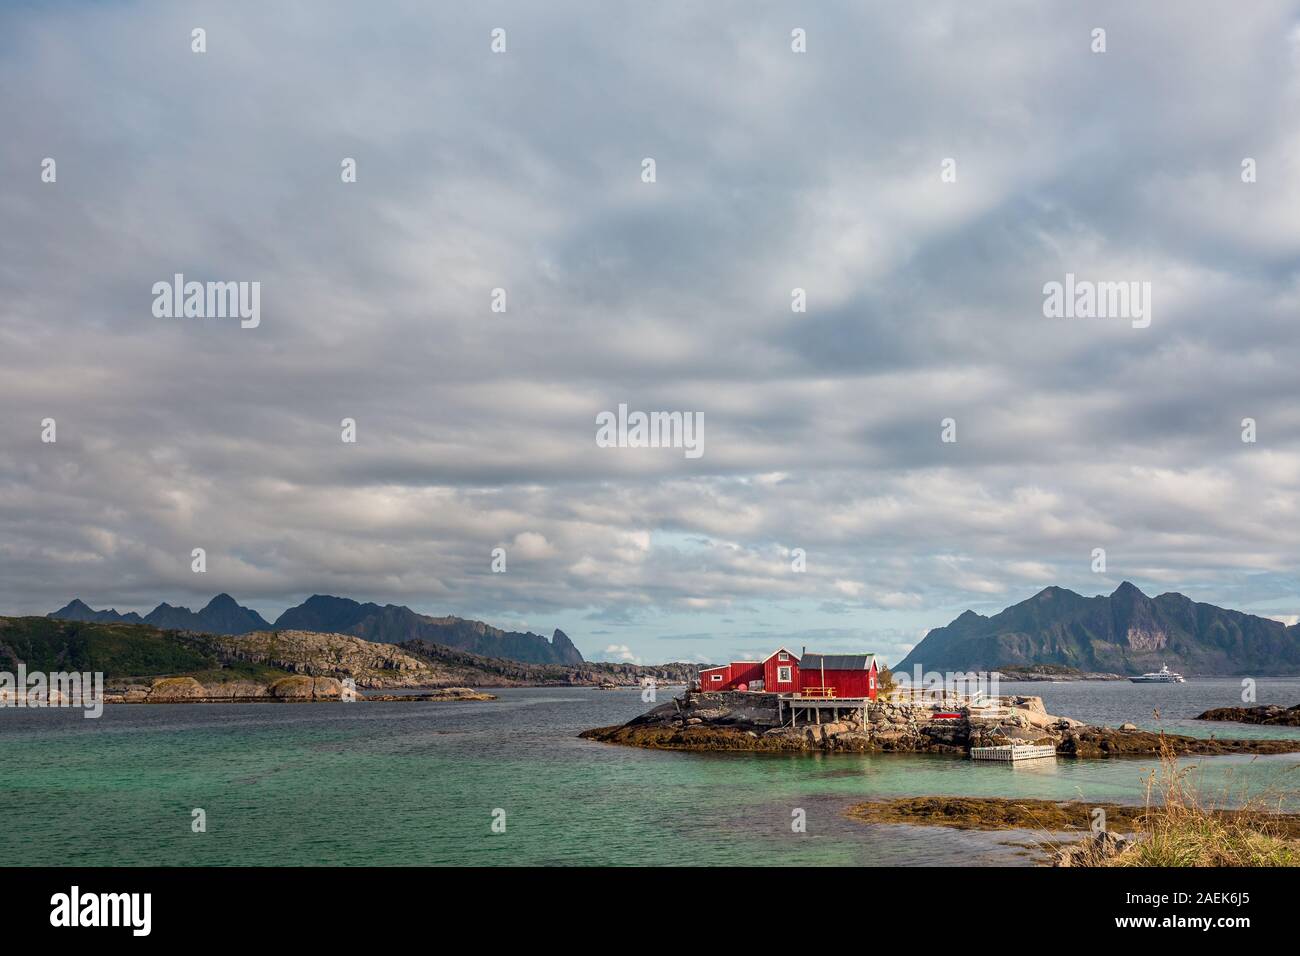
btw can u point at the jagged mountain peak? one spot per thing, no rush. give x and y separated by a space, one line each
1124 632
396 623
222 615
329 614
79 610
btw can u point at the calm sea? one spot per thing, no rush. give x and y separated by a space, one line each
409 783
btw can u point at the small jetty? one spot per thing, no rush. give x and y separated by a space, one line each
1013 752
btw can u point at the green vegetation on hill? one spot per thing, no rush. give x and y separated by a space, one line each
122 650
238 671
118 650
481 671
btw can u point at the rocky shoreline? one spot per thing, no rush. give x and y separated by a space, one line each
738 721
996 813
291 689
1057 816
1272 715
1054 675
441 693
1129 830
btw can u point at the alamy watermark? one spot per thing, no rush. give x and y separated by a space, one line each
1084 299
59 689
626 429
978 685
75 908
179 299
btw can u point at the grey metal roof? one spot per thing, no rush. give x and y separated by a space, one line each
836 662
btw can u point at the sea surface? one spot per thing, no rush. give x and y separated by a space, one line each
404 783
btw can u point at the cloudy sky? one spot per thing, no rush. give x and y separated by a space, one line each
775 170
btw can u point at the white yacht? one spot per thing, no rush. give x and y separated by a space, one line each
1162 676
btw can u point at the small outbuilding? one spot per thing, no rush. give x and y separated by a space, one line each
738 675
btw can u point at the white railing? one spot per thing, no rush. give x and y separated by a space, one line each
1013 752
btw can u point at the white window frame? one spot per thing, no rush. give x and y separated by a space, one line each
783 656
715 677
784 675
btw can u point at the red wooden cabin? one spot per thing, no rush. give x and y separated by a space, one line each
839 675
781 672
813 675
715 678
738 675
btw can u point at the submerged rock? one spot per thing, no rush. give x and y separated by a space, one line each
1108 742
996 813
443 693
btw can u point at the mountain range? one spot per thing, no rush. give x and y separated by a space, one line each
1125 632
389 624
222 615
130 653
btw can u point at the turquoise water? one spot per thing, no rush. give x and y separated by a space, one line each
409 783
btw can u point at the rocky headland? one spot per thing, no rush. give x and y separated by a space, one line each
735 720
146 664
337 656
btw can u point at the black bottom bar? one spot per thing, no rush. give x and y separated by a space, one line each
424 905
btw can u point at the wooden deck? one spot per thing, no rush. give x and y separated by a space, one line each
812 708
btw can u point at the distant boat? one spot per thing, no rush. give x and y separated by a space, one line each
1162 676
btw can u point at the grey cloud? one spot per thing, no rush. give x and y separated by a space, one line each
776 171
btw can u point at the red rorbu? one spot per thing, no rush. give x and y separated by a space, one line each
808 675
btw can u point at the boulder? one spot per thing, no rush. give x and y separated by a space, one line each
306 688
169 689
1031 704
1094 850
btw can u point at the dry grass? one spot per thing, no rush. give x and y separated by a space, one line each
1177 825
1181 826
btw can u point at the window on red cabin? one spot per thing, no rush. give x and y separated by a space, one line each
783 657
717 677
784 675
